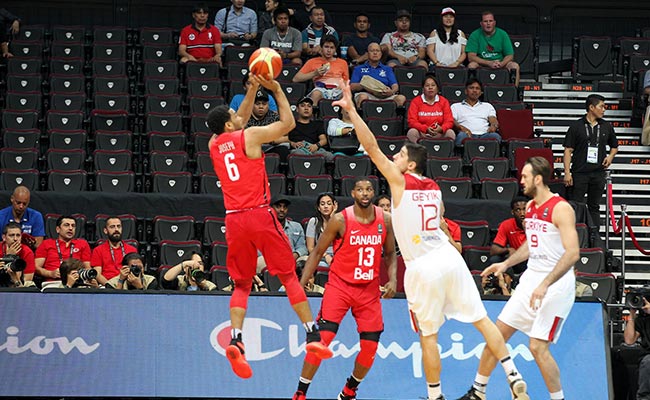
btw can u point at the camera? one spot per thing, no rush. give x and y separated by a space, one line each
198 275
635 297
493 282
135 270
87 274
14 262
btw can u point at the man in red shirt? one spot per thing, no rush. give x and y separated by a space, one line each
358 235
511 235
200 41
51 253
107 257
238 160
11 245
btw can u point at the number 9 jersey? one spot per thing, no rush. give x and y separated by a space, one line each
416 221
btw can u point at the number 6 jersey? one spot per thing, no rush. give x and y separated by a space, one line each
416 221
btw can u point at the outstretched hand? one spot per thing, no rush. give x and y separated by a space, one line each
345 102
268 83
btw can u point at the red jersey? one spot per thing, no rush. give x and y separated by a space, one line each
110 259
200 43
357 255
54 255
454 229
25 253
510 233
243 180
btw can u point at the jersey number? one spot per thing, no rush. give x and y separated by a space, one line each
366 256
231 167
534 242
429 224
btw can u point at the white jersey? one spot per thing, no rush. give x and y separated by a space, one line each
416 222
544 242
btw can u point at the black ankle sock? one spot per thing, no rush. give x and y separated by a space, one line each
303 386
352 382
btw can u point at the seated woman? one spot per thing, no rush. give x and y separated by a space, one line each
326 206
446 43
429 115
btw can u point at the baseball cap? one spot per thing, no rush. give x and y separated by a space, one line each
305 99
281 199
448 10
402 13
261 95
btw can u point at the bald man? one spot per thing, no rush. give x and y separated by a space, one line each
30 220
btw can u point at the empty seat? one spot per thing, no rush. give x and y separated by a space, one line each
603 286
111 84
172 182
453 93
172 161
444 167
386 126
236 71
503 93
65 160
24 83
526 50
161 87
305 185
455 188
476 257
159 53
67 50
111 34
379 109
410 91
68 102
109 51
66 66
112 160
203 105
346 144
26 49
64 120
114 181
31 32
391 145
204 87
492 76
18 159
237 54
66 181
209 183
25 101
214 230
409 75
67 140
166 141
112 102
218 253
327 109
219 276
485 148
453 76
102 120
493 168
201 71
172 252
21 138
499 189
162 104
294 91
111 67
156 36
351 166
68 34
113 140
19 119
24 66
173 228
438 147
271 163
591 261
12 178
288 72
593 56
204 163
308 165
277 184
202 139
474 233
160 69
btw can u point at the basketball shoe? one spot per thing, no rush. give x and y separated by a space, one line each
316 347
235 354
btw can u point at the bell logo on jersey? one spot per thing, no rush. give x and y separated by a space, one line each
359 275
380 229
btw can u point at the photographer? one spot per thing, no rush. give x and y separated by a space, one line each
74 274
189 275
17 263
500 285
132 276
638 327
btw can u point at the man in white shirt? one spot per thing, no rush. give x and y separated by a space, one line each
474 119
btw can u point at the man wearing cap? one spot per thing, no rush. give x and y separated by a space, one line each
293 229
308 137
237 99
200 41
490 47
404 47
262 116
446 43
382 74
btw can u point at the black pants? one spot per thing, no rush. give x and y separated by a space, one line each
591 184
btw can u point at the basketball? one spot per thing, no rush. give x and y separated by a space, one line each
265 62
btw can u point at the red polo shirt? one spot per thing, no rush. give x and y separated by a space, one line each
26 254
200 43
110 261
510 234
76 248
454 229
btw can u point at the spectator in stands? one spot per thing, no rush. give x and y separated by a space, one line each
262 116
132 276
490 47
429 115
313 34
308 137
326 206
358 43
325 71
342 126
499 285
383 201
266 18
11 274
637 328
8 19
302 15
4 45
237 99
284 39
453 232
292 229
403 47
382 86
582 289
237 24
107 257
188 275
200 41
474 119
70 275
30 220
446 43
51 253
511 235
586 157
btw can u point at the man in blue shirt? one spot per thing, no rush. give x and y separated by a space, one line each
382 73
30 220
237 24
238 98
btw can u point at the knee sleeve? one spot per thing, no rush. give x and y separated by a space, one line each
368 343
326 336
295 292
240 293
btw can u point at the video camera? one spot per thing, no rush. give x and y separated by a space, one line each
14 262
635 297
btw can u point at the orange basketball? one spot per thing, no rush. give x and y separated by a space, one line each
265 62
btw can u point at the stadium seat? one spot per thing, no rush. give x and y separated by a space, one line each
308 165
109 68
485 148
67 84
173 228
209 183
453 93
410 91
593 58
386 126
66 66
312 185
113 160
499 189
67 140
277 184
438 147
24 66
237 54
159 53
26 49
390 145
66 181
492 76
161 87
160 69
271 163
219 276
18 159
68 34
19 119
24 101
218 253
112 102
384 109
68 102
111 84
214 230
164 161
455 188
111 34
493 168
162 104
476 257
24 83
166 141
409 75
101 120
522 154
64 120
203 163
474 233
21 138
156 36
50 225
327 110
583 236
591 261
114 140
66 160
114 181
444 167
451 76
31 32
173 252
502 93
172 182
514 144
204 87
602 285
201 71
12 178
347 184
351 166
526 53
67 50
203 105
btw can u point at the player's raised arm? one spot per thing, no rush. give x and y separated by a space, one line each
367 138
276 130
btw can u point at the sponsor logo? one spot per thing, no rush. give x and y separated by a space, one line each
42 345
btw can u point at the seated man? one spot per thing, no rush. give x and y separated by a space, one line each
474 119
381 74
200 41
308 136
188 276
325 71
262 116
237 99
301 15
20 272
403 47
637 328
30 220
490 47
284 39
511 235
107 257
313 34
132 276
51 253
237 24
358 43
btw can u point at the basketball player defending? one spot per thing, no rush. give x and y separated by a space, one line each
238 160
437 282
546 289
359 234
